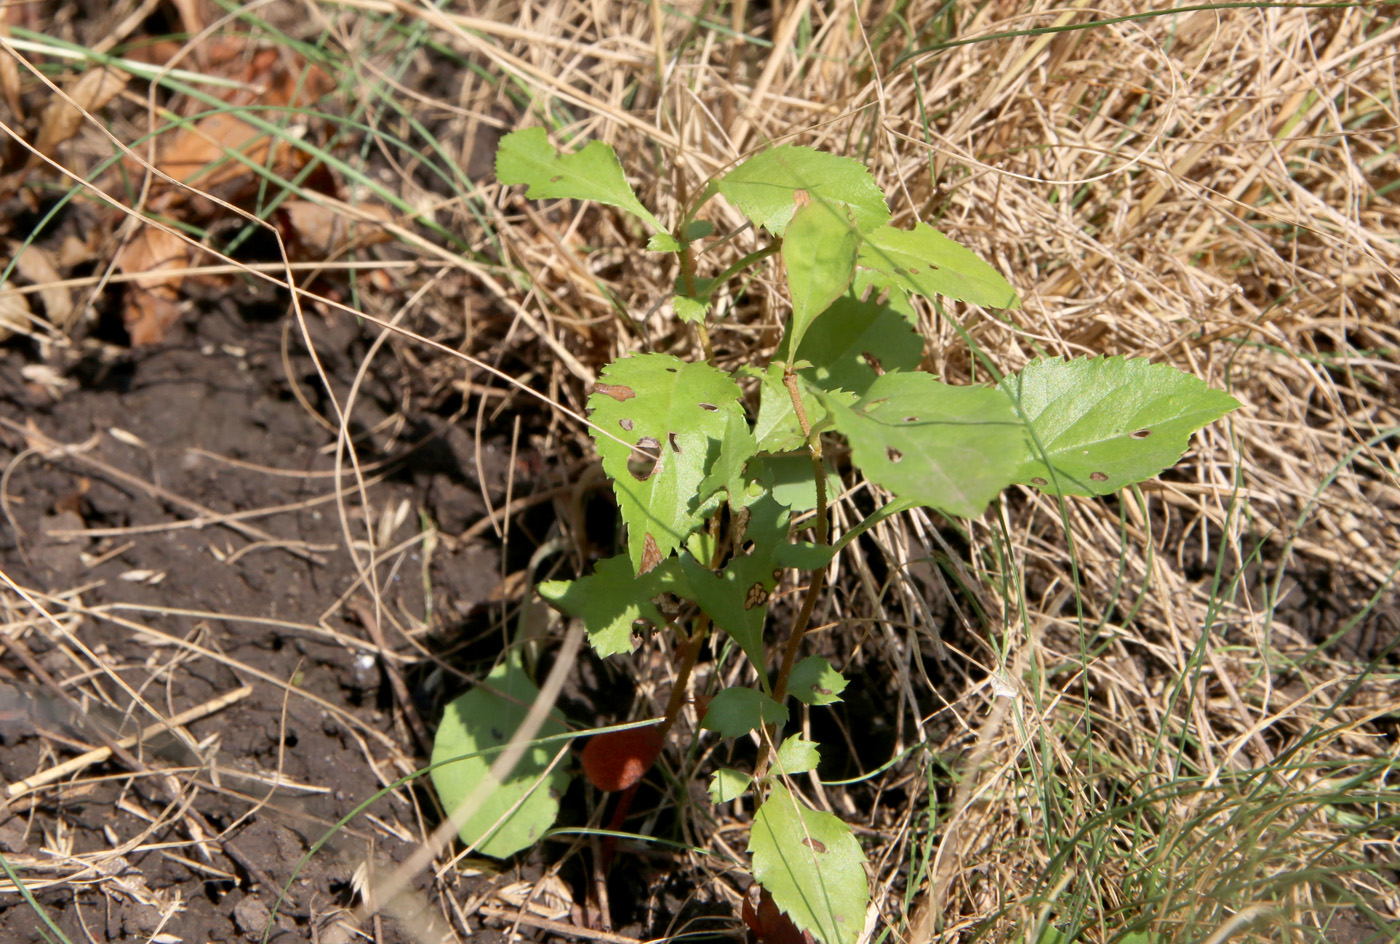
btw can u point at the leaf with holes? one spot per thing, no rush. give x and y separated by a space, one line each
854 342
763 187
736 711
1108 422
814 682
514 813
736 598
590 173
673 416
819 253
924 261
796 755
951 448
812 865
611 601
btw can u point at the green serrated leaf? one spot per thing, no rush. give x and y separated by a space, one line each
845 350
485 718
611 600
812 866
676 414
591 173
796 755
690 310
663 242
926 262
736 598
814 682
763 186
819 253
728 784
727 474
736 711
1108 422
951 448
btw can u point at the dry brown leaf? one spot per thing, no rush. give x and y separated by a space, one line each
322 232
9 78
64 116
201 155
36 265
156 260
14 311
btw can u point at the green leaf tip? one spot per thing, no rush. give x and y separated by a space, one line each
812 865
659 424
590 173
1107 422
763 187
925 262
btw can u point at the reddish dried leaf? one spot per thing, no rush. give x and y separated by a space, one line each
767 924
157 260
203 154
618 759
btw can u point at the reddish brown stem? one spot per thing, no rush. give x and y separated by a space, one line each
689 653
609 844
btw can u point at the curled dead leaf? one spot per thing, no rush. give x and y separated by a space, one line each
63 116
36 265
156 260
323 232
14 311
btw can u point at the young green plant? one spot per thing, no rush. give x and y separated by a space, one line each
708 494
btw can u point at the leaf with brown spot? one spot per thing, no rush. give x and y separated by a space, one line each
619 392
651 555
812 865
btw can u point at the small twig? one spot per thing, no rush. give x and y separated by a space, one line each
100 754
688 657
557 927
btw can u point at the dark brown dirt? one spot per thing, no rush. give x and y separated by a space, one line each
185 614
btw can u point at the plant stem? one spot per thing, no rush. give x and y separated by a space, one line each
756 256
689 653
688 283
814 590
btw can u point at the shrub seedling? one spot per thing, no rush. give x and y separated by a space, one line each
708 495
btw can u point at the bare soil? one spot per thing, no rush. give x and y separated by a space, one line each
103 495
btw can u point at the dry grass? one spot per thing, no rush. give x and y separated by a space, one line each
1204 740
